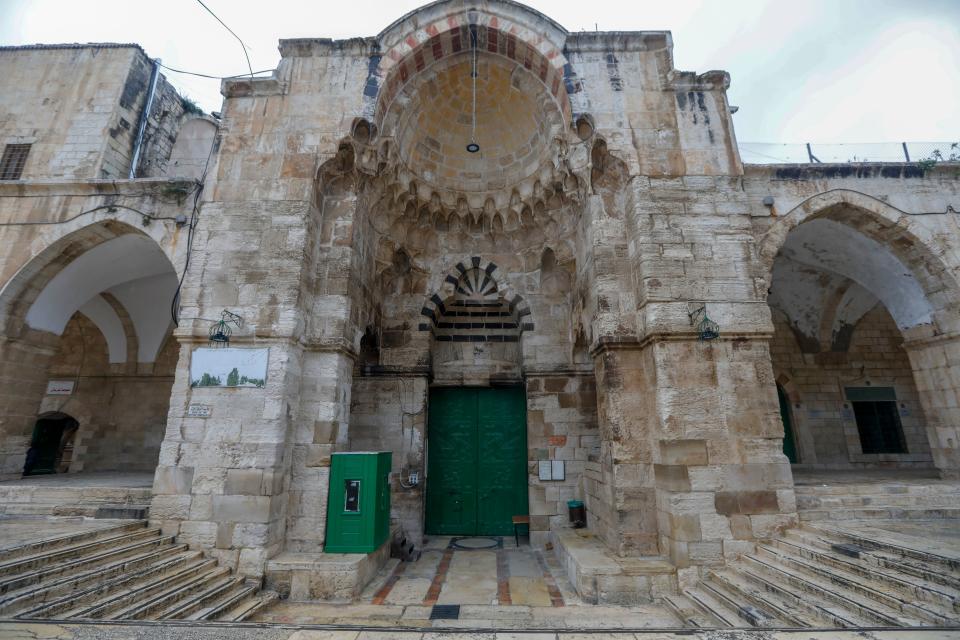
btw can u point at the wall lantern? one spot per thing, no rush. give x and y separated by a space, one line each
706 328
220 331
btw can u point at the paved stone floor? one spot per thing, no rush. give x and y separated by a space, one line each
507 587
15 630
102 479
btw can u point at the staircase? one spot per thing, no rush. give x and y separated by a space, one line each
878 500
121 572
822 575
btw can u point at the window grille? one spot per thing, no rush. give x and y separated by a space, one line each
14 158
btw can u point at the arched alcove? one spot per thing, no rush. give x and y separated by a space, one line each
856 300
87 324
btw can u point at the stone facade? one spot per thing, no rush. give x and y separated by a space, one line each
605 217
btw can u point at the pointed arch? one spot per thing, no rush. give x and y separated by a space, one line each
486 282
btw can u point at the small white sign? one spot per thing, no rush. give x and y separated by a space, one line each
199 411
60 387
552 470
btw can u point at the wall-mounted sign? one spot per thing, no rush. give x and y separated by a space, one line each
199 411
552 470
60 387
231 367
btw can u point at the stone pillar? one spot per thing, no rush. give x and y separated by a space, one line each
221 480
691 459
721 476
323 427
936 369
24 363
620 494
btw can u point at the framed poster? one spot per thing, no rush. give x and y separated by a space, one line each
230 367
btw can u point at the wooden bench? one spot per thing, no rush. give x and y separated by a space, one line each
517 521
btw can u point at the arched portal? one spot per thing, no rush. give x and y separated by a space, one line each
862 311
87 332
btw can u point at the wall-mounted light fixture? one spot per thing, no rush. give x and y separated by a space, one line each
220 331
706 328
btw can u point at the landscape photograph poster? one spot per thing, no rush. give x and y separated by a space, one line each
229 368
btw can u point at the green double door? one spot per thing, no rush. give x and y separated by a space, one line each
477 461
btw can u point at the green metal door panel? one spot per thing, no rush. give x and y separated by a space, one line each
452 464
358 508
502 459
477 469
789 446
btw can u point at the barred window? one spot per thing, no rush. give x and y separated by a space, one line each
14 158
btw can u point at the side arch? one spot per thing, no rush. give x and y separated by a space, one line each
904 239
54 248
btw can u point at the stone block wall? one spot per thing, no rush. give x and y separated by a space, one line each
389 413
79 107
824 427
121 408
561 425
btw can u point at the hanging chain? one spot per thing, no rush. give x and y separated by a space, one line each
473 46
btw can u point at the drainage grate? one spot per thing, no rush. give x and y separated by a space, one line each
445 612
849 550
475 543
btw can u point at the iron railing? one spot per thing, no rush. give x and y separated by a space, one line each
771 153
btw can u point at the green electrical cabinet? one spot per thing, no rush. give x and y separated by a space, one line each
358 505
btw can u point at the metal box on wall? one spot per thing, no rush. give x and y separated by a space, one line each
358 505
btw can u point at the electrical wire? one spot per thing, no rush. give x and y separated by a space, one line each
83 213
191 232
249 66
212 77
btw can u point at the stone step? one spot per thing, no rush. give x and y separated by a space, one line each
198 598
911 586
11 583
888 488
749 614
744 591
853 582
149 608
110 603
814 608
831 592
101 592
248 607
33 548
724 616
877 502
85 548
690 613
842 514
913 568
879 542
238 593
71 588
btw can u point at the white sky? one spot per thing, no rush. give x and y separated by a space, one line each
803 70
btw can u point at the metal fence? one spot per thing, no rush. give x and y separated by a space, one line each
769 153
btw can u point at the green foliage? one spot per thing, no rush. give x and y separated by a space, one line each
937 156
189 106
233 378
207 380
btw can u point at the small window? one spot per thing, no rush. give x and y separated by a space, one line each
14 158
878 420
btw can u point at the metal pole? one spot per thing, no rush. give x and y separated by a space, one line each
812 157
906 153
144 116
